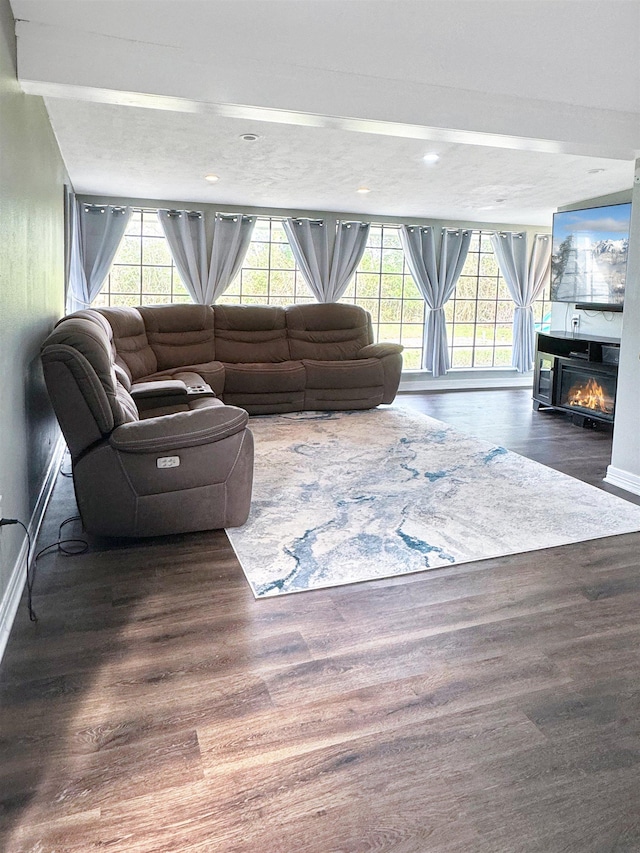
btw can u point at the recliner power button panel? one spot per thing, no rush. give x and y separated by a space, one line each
167 461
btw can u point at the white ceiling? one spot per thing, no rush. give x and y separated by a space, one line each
531 105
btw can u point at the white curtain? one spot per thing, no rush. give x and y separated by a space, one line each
525 277
206 277
96 233
435 270
184 230
327 259
231 238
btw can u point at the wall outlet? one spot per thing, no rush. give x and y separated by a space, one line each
575 322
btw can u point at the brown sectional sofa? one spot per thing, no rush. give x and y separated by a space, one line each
167 463
153 401
264 359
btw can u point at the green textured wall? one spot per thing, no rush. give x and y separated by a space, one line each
32 177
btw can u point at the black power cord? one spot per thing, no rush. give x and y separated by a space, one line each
78 546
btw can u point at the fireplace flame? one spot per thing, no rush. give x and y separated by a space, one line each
590 396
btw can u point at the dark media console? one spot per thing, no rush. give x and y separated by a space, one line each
577 374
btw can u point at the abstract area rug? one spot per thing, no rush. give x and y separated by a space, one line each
352 496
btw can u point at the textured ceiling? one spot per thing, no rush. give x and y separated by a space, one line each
529 105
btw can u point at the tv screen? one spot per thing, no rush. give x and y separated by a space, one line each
589 256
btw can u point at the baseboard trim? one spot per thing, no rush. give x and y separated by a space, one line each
13 593
623 479
465 380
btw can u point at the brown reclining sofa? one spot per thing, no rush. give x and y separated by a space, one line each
266 359
153 401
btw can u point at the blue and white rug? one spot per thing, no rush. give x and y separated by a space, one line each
352 496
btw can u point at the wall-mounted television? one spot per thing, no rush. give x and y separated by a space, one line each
589 256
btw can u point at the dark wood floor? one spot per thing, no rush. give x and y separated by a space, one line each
492 707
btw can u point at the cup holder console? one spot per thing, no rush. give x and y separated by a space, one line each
199 389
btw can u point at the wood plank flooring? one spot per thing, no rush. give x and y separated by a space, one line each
494 707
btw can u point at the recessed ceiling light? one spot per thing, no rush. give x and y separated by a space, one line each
363 190
432 157
212 178
249 137
594 171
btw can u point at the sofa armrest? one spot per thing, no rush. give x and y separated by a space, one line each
379 350
161 388
155 395
182 429
390 357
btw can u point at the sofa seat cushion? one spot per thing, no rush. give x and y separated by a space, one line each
261 378
265 388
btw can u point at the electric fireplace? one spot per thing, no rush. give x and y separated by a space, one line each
587 389
577 375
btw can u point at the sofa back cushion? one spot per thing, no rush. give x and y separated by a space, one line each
121 369
87 396
179 335
251 334
327 332
133 352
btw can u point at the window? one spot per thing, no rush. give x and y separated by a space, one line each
479 315
542 309
143 272
383 286
480 312
269 274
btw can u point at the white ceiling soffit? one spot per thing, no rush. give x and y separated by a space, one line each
548 89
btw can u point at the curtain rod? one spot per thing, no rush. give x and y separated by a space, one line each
233 217
102 208
444 228
176 214
298 220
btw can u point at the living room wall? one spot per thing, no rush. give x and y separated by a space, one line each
624 470
32 178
